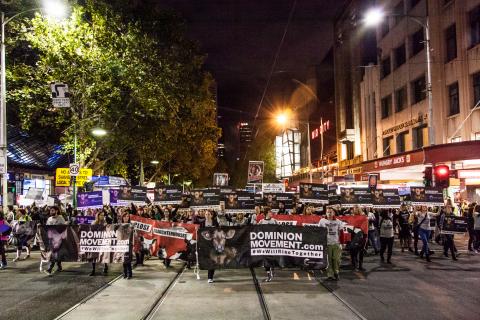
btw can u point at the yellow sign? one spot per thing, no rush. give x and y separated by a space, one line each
62 177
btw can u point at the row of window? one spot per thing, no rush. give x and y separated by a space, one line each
398 13
420 137
418 90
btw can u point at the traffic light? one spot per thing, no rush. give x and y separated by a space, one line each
427 176
442 176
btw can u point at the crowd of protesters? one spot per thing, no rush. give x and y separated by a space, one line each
413 224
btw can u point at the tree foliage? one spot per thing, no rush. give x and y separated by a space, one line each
143 83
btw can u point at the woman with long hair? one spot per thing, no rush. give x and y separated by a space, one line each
99 220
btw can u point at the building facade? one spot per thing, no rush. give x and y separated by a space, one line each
393 93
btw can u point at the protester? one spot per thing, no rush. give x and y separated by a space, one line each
471 227
3 241
357 245
54 219
476 227
127 260
210 221
99 220
404 234
22 238
424 230
448 243
334 250
268 266
386 236
372 231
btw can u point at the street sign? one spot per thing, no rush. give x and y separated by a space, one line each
60 95
74 169
62 177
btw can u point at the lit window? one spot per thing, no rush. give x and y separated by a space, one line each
456 139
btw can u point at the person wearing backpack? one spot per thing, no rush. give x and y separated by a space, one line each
386 236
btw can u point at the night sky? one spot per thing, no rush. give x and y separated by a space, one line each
241 38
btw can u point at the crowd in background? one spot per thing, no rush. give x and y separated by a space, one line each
411 224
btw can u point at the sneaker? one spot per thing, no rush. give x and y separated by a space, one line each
210 281
26 257
92 274
269 278
129 277
48 272
16 259
3 266
59 269
124 276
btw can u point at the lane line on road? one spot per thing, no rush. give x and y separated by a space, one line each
261 298
348 305
90 296
158 302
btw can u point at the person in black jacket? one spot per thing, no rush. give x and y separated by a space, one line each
470 227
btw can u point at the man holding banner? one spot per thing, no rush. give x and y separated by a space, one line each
334 250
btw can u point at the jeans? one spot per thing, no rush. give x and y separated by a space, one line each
386 243
415 239
373 240
127 269
211 272
424 236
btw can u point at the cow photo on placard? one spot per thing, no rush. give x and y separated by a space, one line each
197 198
231 201
377 197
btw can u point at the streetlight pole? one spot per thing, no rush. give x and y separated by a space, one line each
309 153
3 116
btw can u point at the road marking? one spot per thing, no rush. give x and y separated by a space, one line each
295 276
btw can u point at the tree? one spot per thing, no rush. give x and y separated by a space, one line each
148 90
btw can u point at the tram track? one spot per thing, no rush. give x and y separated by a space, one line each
261 297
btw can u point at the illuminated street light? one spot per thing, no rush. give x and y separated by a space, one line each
374 17
282 119
155 162
56 9
99 132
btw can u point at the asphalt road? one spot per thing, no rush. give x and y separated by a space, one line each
26 293
408 289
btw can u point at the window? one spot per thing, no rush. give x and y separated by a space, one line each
456 139
384 27
386 67
398 12
420 137
413 3
453 99
419 90
476 88
451 42
387 146
386 106
350 150
474 19
400 99
402 141
417 42
400 56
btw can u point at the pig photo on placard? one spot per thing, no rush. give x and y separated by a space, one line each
125 193
418 194
377 197
270 200
197 198
347 195
58 242
231 201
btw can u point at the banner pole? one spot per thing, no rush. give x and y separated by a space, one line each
197 266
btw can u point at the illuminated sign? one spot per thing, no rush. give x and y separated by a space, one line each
320 130
469 174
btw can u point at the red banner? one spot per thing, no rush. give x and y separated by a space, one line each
170 236
355 221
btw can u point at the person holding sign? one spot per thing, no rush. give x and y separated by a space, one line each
448 243
100 220
334 251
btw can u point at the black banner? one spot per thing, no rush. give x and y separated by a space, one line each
333 197
426 196
385 198
86 243
313 193
205 199
262 245
130 194
278 201
167 195
240 201
453 224
350 197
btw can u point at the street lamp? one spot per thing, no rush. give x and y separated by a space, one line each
99 132
282 119
155 162
375 16
55 8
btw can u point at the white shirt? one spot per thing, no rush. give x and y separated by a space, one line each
333 229
386 228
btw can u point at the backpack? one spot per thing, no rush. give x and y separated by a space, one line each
357 240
